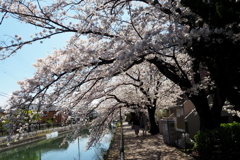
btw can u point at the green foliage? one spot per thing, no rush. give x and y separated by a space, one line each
205 141
220 143
49 121
162 113
118 124
128 117
2 123
30 115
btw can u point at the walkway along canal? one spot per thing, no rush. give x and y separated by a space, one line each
149 147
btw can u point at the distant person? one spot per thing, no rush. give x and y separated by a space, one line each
136 125
143 123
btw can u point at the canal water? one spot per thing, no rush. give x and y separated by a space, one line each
50 149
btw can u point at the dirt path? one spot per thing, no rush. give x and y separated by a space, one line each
149 147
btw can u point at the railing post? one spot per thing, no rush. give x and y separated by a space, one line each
121 138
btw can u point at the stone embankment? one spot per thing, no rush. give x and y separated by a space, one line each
149 147
30 137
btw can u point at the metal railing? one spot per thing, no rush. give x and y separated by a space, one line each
121 149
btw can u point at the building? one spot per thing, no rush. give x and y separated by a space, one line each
53 113
183 123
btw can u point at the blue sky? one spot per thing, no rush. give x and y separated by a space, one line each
19 66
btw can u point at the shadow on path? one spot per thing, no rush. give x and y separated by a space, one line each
149 147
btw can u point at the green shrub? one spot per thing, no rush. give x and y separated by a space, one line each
49 122
118 124
220 143
2 125
129 116
205 143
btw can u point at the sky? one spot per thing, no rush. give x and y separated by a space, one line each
20 66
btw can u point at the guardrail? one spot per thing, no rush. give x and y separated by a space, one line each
121 149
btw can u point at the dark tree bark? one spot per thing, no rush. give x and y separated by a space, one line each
221 59
209 118
153 126
153 103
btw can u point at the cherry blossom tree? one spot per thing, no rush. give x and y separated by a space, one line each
155 88
111 37
141 88
219 51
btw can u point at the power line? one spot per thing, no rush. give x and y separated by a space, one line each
24 62
22 66
9 74
4 95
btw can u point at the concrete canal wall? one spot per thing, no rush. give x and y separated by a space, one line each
32 137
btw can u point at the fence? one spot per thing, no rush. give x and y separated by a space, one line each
34 127
121 139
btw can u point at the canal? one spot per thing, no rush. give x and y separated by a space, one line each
50 149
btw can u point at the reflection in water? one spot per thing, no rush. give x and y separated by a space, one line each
50 150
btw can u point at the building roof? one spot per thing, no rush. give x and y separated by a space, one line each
45 107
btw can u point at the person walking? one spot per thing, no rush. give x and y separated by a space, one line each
143 123
136 125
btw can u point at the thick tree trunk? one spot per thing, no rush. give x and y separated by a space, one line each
203 109
210 118
234 98
153 126
218 102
